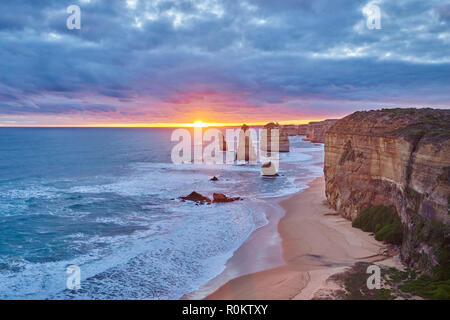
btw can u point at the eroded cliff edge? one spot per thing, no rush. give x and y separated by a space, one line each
397 157
315 131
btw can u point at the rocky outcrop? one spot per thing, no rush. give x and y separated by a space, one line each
246 146
266 138
196 197
397 157
269 169
315 131
220 198
290 129
201 199
222 142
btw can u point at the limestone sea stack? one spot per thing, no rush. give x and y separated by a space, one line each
222 142
291 129
398 157
266 139
315 131
268 169
246 150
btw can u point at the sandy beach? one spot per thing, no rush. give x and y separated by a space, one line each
315 244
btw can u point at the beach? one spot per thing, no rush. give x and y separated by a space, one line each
315 243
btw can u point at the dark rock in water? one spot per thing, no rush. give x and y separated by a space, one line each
214 179
220 197
196 197
201 199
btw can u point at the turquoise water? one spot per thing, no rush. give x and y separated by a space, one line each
103 199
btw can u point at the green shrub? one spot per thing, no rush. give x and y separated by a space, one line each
384 294
391 233
383 221
426 287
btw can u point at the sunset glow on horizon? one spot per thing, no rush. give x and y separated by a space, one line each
196 124
157 67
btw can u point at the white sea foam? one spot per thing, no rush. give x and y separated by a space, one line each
182 245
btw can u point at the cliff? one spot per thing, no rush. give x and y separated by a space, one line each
315 131
398 157
291 129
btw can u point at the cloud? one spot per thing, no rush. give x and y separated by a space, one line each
161 59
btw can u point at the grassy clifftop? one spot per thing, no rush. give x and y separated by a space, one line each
428 124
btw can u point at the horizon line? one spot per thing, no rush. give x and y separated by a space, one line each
164 125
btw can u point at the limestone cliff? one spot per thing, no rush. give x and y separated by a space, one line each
397 157
315 131
291 129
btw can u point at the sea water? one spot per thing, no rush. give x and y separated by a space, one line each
106 200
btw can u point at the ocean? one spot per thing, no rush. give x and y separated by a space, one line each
106 200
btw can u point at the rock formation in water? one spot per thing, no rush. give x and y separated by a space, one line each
315 131
269 169
196 197
291 129
246 150
222 142
397 157
266 138
201 199
220 198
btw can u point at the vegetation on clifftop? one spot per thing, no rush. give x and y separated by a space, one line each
427 124
431 125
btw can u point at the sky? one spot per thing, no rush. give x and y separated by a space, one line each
136 62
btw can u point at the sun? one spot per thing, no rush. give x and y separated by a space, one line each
200 124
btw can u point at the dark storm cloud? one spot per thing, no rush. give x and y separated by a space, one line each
137 57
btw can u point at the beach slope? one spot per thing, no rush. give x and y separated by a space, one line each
316 243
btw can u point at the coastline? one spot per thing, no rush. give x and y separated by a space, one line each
314 244
262 250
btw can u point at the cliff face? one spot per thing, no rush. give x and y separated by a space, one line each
291 129
315 131
399 157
